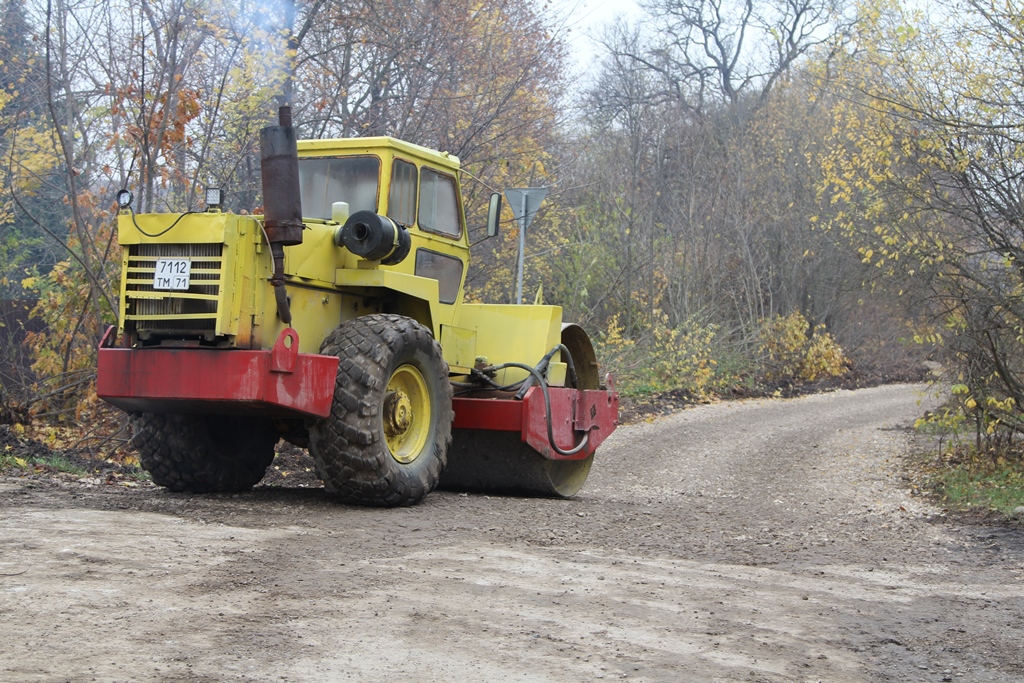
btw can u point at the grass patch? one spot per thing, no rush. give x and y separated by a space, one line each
968 481
49 463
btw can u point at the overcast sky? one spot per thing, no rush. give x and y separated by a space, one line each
586 18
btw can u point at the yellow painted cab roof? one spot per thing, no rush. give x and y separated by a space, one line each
376 145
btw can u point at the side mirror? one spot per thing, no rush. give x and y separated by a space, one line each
493 214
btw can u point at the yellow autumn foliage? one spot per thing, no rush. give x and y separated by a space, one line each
665 358
789 352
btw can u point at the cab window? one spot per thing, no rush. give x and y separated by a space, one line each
402 199
439 204
347 179
447 270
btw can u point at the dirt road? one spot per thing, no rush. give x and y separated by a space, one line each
748 541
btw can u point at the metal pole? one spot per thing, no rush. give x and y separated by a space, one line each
522 253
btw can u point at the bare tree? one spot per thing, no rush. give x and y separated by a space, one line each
735 51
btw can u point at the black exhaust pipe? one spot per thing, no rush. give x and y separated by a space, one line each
282 203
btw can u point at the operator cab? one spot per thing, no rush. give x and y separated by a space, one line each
413 186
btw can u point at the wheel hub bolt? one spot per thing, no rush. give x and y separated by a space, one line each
398 411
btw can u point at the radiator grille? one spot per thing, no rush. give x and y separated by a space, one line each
191 313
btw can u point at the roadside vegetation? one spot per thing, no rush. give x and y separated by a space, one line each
976 482
749 198
963 479
48 463
968 462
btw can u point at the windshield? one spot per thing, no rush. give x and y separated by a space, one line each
349 179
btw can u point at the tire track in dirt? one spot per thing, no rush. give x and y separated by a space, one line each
748 541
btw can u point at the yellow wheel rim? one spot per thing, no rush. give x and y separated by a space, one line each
406 414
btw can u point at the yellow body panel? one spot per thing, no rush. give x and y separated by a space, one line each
510 333
459 347
225 276
233 305
199 227
315 260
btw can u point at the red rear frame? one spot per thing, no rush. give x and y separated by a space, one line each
281 382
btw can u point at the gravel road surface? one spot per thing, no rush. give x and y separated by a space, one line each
763 540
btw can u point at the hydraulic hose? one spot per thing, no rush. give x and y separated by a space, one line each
536 375
547 411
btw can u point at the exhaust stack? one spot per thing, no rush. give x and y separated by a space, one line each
282 203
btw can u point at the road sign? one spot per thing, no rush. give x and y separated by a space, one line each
524 202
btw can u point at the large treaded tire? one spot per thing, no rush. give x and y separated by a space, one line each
350 446
204 453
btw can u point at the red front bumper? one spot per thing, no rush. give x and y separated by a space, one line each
574 413
280 382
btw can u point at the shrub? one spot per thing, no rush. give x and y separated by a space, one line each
664 358
792 350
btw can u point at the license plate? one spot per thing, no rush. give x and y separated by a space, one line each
172 273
